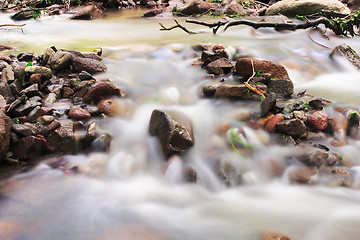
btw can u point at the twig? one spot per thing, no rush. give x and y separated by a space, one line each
309 34
178 25
254 89
12 25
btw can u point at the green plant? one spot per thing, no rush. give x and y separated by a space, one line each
15 120
174 9
302 18
216 1
36 14
234 138
346 25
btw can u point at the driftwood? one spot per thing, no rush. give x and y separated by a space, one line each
348 25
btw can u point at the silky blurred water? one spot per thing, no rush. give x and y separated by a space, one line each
131 192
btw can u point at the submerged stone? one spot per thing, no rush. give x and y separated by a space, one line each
173 129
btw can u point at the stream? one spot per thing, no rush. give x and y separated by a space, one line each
128 194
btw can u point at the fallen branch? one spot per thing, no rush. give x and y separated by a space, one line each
178 25
11 25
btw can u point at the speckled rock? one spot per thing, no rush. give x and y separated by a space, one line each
270 125
293 127
318 120
45 72
79 114
101 91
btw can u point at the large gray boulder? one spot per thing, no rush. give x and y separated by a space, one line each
292 8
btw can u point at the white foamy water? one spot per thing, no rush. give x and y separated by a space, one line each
132 193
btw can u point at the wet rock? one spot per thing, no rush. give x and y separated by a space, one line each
195 7
79 114
34 114
210 88
208 56
108 107
101 91
27 148
5 91
267 104
83 75
45 120
15 104
7 74
301 115
23 130
86 12
101 144
313 156
5 132
219 66
44 71
237 91
16 87
49 128
233 8
2 103
316 104
270 125
31 91
153 12
332 159
87 64
190 175
283 88
62 139
25 109
25 57
353 124
19 70
24 14
47 54
60 60
302 174
35 78
243 68
173 129
291 8
318 120
49 99
273 236
67 92
293 127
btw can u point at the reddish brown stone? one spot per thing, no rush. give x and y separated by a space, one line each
273 236
79 114
244 68
318 120
5 131
302 174
217 47
108 107
270 124
101 91
36 78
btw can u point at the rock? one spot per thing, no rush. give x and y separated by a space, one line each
173 129
243 68
208 57
49 99
62 139
234 8
16 87
49 128
87 64
47 54
28 147
83 75
60 60
353 124
101 91
318 120
219 66
19 70
239 91
101 144
31 91
23 130
354 5
45 120
25 57
294 127
5 132
348 53
302 174
193 7
153 12
273 236
5 91
44 71
300 115
316 104
8 74
24 14
86 12
189 175
67 92
34 114
283 88
270 125
2 103
79 114
267 104
332 159
313 156
108 107
291 8
35 78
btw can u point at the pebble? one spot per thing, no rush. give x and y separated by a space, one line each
318 120
79 114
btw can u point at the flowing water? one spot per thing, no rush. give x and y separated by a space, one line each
129 193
